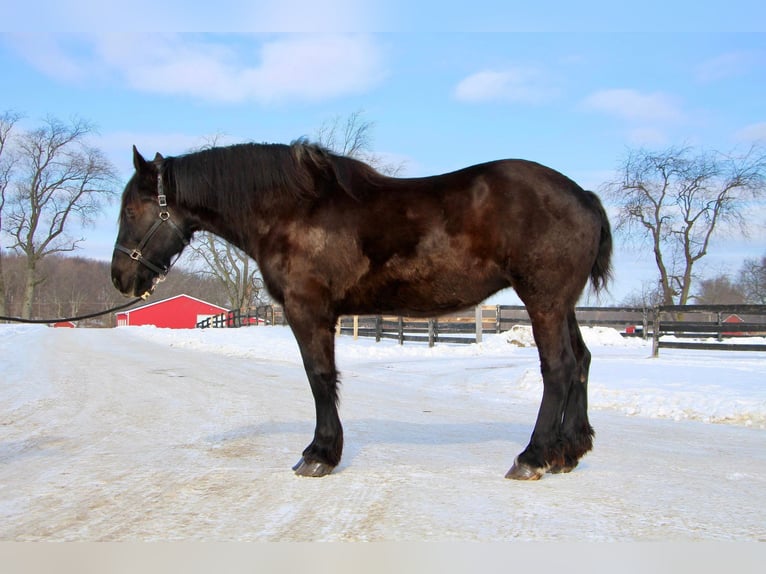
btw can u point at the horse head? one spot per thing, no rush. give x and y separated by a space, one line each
152 230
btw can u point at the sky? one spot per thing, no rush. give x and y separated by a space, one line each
572 88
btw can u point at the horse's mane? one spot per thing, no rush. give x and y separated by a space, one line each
234 178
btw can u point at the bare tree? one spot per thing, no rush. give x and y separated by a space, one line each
236 273
677 199
352 136
7 160
752 280
647 296
59 180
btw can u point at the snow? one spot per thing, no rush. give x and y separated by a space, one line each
139 433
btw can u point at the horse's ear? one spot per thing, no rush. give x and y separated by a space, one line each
138 160
158 159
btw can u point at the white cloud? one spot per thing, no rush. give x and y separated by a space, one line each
752 133
633 105
314 68
729 65
291 67
514 85
169 64
52 55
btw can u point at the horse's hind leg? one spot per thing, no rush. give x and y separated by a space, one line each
558 366
576 432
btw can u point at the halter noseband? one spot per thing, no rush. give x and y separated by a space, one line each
164 216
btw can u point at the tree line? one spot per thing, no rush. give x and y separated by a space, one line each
748 286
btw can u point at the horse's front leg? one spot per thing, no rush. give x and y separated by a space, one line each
316 340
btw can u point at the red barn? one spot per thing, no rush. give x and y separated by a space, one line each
179 312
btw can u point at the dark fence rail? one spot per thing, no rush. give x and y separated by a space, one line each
710 325
506 316
716 323
432 331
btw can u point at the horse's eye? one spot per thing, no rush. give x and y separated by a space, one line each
130 212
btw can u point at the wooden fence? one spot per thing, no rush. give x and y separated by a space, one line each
447 329
254 316
465 327
710 325
716 323
468 327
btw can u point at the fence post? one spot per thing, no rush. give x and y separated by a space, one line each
479 319
719 323
498 319
645 323
431 332
656 333
401 330
356 327
378 327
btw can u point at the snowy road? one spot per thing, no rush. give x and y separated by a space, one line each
135 434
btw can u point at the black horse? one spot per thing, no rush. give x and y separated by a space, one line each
334 237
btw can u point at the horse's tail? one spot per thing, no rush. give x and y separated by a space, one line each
601 272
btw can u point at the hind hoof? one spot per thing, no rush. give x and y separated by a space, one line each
563 469
313 469
521 471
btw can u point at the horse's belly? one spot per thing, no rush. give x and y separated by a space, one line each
426 287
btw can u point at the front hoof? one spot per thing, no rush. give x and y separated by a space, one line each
521 471
313 469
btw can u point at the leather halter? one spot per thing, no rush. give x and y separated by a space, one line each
164 217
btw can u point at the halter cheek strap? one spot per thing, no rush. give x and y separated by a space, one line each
136 255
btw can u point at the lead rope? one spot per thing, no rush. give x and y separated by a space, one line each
77 318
